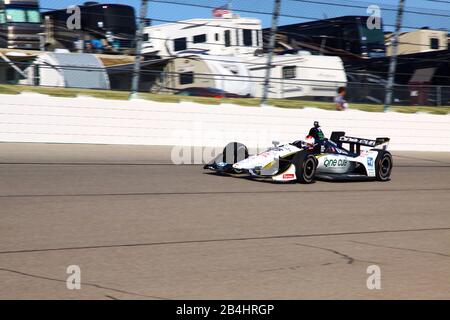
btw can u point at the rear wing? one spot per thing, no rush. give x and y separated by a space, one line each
339 138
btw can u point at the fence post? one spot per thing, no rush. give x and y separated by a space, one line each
439 96
138 55
273 32
393 64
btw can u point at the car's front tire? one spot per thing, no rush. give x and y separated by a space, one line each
233 153
383 166
305 167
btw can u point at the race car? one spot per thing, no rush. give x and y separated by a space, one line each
315 157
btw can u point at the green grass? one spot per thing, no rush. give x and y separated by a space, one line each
250 102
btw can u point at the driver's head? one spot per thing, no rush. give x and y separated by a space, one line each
310 142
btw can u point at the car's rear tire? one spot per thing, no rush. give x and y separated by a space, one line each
305 167
383 166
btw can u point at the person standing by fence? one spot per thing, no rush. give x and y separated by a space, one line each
341 103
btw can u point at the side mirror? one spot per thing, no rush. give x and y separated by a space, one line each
276 143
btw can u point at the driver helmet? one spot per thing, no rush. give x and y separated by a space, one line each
310 142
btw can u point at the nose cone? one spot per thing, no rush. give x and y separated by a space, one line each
238 166
253 162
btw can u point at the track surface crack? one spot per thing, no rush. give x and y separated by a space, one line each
400 248
87 284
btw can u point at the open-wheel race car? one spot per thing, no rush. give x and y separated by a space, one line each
304 161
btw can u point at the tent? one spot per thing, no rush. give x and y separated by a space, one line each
70 70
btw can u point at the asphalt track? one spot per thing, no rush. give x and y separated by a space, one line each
141 228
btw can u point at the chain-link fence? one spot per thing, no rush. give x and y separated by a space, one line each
157 81
405 95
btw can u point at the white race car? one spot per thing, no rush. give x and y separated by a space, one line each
313 158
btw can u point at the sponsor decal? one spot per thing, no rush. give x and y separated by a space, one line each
288 176
335 163
366 142
341 151
370 162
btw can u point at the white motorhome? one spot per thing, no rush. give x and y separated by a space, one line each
217 36
221 72
298 75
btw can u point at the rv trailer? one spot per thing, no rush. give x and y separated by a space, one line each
298 75
221 72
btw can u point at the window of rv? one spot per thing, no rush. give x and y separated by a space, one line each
33 16
180 44
2 17
227 38
289 72
371 36
118 18
186 77
248 37
201 38
434 43
23 15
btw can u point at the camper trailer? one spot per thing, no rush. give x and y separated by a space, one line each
298 75
217 36
226 73
20 24
292 76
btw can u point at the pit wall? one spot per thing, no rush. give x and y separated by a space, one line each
39 118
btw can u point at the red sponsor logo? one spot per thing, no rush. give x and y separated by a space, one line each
288 176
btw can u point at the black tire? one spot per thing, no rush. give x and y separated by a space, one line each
383 166
305 167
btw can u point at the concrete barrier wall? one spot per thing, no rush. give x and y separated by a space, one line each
38 118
